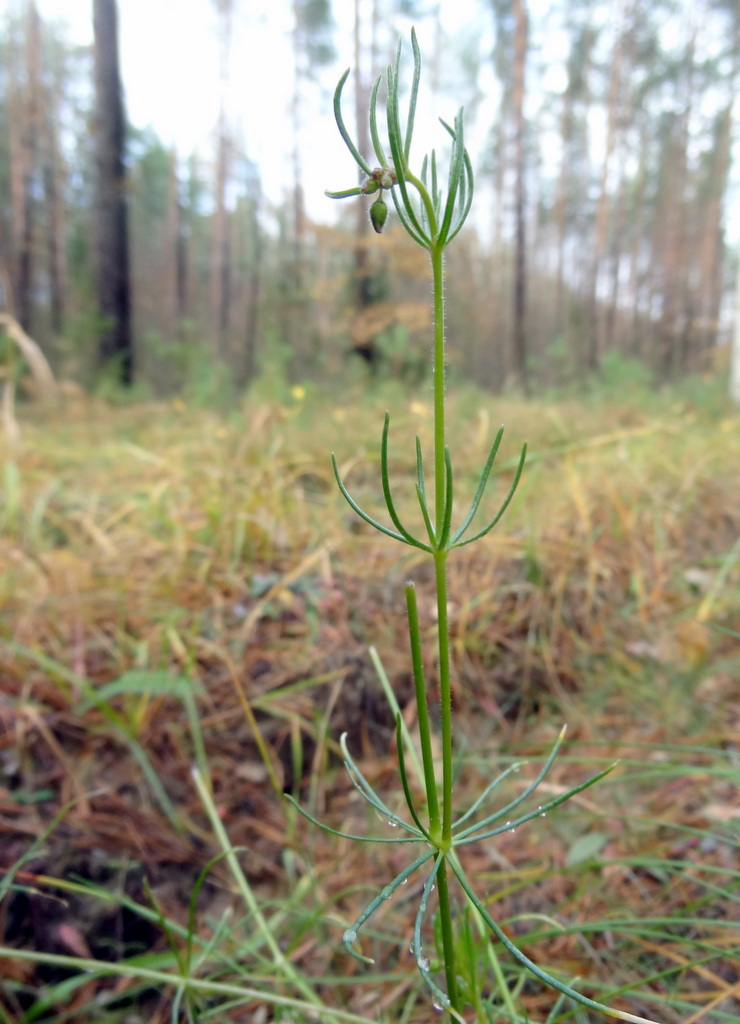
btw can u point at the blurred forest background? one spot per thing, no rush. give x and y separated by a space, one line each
607 178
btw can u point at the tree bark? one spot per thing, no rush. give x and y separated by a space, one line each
54 177
593 357
735 353
24 138
111 210
520 272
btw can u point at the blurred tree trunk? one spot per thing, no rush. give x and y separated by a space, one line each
299 206
637 276
735 349
614 93
519 336
219 283
711 240
172 255
111 214
25 103
254 285
675 313
179 243
572 177
220 245
54 176
503 51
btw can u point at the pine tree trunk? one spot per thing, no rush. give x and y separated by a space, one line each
220 246
520 272
735 353
111 213
593 357
25 102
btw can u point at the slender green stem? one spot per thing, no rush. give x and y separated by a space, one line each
448 942
439 385
422 712
445 695
441 497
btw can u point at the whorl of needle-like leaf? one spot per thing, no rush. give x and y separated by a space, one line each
433 218
441 537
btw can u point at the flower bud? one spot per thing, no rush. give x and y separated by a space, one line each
379 213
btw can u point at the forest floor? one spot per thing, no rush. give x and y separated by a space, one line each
155 554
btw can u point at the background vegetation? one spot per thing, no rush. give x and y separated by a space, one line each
181 584
605 166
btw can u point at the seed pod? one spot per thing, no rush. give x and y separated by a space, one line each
378 213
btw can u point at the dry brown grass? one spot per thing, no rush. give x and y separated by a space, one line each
216 548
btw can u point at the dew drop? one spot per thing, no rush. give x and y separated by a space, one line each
392 824
439 1004
434 886
350 936
517 768
405 881
386 893
512 830
422 962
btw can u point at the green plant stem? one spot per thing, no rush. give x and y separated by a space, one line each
440 568
448 942
445 695
439 386
422 712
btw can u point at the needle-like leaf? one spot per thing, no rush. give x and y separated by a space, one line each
472 835
346 193
425 513
527 791
377 144
456 168
422 961
353 505
486 792
481 486
359 159
404 778
443 532
346 835
350 935
531 966
386 485
396 144
414 94
504 506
